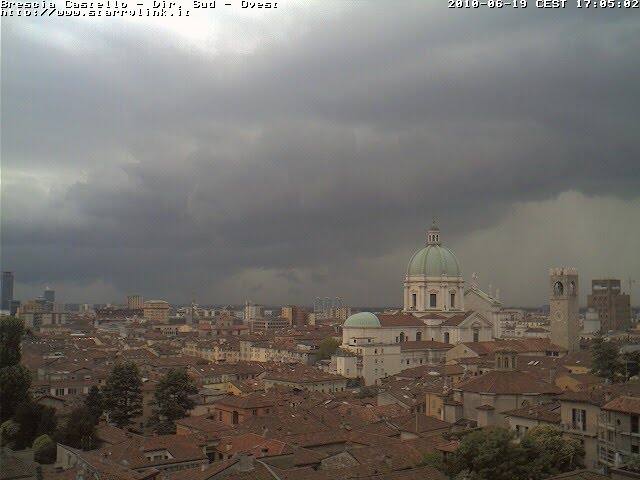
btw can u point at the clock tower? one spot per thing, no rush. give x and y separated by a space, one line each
563 302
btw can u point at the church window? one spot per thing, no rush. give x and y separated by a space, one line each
453 300
446 337
432 300
476 335
418 336
402 336
414 300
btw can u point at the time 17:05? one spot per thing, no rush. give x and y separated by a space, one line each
608 3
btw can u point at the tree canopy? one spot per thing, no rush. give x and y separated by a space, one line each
94 402
44 449
123 394
79 429
12 333
328 346
554 454
606 360
496 455
34 420
172 399
15 379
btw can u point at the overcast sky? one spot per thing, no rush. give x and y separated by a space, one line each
279 156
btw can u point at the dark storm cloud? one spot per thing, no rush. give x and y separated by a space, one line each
134 159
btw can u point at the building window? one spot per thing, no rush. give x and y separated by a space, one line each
418 336
446 337
476 335
453 300
414 301
401 336
579 418
634 424
432 300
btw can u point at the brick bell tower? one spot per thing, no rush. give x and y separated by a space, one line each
563 302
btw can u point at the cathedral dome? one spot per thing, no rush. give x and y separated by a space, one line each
434 260
362 319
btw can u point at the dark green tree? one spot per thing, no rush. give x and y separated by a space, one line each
495 455
123 394
44 449
490 455
550 452
12 333
15 379
606 360
78 430
328 346
438 461
9 432
172 398
35 420
15 382
94 402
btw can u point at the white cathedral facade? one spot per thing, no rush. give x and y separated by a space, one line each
433 319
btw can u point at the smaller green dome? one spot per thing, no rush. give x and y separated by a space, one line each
362 319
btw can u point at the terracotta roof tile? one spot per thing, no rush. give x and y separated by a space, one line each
546 412
506 382
624 405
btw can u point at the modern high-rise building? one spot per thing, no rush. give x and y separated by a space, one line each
564 319
297 316
135 302
49 295
7 290
613 306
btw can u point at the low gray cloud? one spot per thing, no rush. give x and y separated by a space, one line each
309 162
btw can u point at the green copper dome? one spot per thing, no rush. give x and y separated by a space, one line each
434 261
362 319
